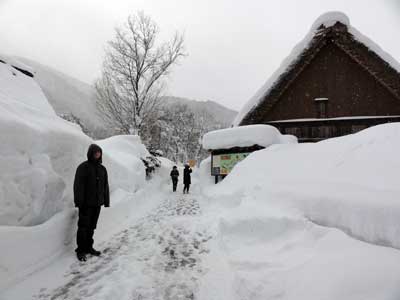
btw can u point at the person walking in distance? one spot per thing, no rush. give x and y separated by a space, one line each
174 176
186 178
91 191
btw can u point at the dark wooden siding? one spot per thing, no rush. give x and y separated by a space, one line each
351 90
317 130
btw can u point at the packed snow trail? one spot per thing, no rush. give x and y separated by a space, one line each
158 257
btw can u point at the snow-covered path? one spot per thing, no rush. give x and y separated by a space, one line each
198 246
157 257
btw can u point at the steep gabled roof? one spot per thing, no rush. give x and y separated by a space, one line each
332 27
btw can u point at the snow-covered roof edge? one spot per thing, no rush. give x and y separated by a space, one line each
17 64
327 20
245 136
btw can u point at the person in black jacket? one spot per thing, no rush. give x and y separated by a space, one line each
174 176
186 178
91 191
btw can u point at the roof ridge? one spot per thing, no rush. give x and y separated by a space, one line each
330 26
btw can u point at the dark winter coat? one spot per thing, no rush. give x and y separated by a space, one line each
91 181
174 175
186 175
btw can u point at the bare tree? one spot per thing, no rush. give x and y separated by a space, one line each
178 131
135 65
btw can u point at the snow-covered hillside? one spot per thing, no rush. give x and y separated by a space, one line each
221 114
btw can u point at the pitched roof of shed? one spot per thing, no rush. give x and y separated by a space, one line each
333 28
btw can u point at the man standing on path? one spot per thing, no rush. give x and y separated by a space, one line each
186 179
91 191
174 176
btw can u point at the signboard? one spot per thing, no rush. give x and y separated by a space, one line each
192 163
222 164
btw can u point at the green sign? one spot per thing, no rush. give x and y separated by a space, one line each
222 164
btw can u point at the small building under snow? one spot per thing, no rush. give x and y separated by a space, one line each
232 145
335 82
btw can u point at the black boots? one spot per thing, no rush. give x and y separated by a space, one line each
81 256
94 252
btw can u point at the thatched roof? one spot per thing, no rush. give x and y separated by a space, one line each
330 28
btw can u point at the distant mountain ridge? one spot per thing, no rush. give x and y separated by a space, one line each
221 114
69 95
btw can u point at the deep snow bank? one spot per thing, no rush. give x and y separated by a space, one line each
47 242
122 158
261 251
350 182
38 155
38 159
265 217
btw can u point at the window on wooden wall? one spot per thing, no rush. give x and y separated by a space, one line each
322 107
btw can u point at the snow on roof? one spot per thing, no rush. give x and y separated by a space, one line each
17 64
327 20
245 136
17 87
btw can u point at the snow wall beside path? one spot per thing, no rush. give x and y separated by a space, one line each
351 182
38 159
122 155
38 155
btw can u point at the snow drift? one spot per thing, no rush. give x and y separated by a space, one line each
122 158
349 182
38 155
38 159
308 221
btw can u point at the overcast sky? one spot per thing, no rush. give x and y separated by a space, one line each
233 46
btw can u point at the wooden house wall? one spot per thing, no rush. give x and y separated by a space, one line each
351 90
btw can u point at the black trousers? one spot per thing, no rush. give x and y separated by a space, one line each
186 188
87 222
174 184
